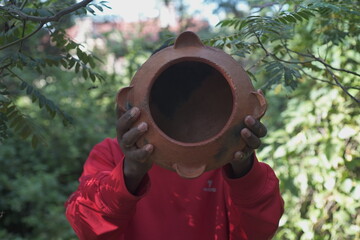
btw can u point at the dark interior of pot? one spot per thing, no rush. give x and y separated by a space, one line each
191 101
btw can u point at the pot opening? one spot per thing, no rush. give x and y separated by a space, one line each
190 101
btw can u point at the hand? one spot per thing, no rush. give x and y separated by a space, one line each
136 163
251 134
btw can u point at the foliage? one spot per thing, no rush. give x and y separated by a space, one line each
314 150
274 33
305 55
22 20
35 182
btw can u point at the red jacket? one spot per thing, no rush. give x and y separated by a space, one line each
210 207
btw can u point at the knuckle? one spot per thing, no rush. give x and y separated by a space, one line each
131 135
124 142
126 118
257 143
140 155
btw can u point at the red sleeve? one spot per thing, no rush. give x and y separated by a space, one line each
255 203
101 206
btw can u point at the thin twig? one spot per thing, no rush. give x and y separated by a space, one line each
256 63
23 4
317 79
286 48
313 58
22 35
341 86
327 81
310 55
334 68
276 57
262 45
3 67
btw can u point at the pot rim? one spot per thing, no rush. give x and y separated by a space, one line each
228 79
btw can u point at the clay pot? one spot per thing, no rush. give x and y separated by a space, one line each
194 99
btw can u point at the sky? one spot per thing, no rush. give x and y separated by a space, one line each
135 10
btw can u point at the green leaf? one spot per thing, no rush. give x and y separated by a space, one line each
77 67
290 18
104 3
25 132
89 9
64 63
252 75
71 63
98 7
23 85
33 97
34 141
92 62
42 101
84 73
71 45
297 16
92 76
15 121
29 90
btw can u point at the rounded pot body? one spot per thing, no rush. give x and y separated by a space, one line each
194 99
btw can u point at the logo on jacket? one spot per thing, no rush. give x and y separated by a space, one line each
209 188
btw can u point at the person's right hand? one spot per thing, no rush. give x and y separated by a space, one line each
136 162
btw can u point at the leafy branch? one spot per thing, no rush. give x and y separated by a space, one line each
17 13
264 33
23 38
313 58
35 95
20 24
23 125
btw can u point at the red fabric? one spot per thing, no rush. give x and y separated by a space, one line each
211 207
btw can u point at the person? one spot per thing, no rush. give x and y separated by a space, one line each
123 195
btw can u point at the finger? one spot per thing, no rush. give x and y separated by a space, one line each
129 138
240 155
125 122
251 139
142 154
255 126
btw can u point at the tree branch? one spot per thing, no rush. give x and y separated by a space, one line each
313 58
327 81
17 13
310 55
276 57
341 86
334 68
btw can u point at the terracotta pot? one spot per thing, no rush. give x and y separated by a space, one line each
194 99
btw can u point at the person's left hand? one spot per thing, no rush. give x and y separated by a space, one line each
251 134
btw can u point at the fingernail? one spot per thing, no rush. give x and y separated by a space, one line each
239 155
134 111
142 127
149 147
250 120
247 133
